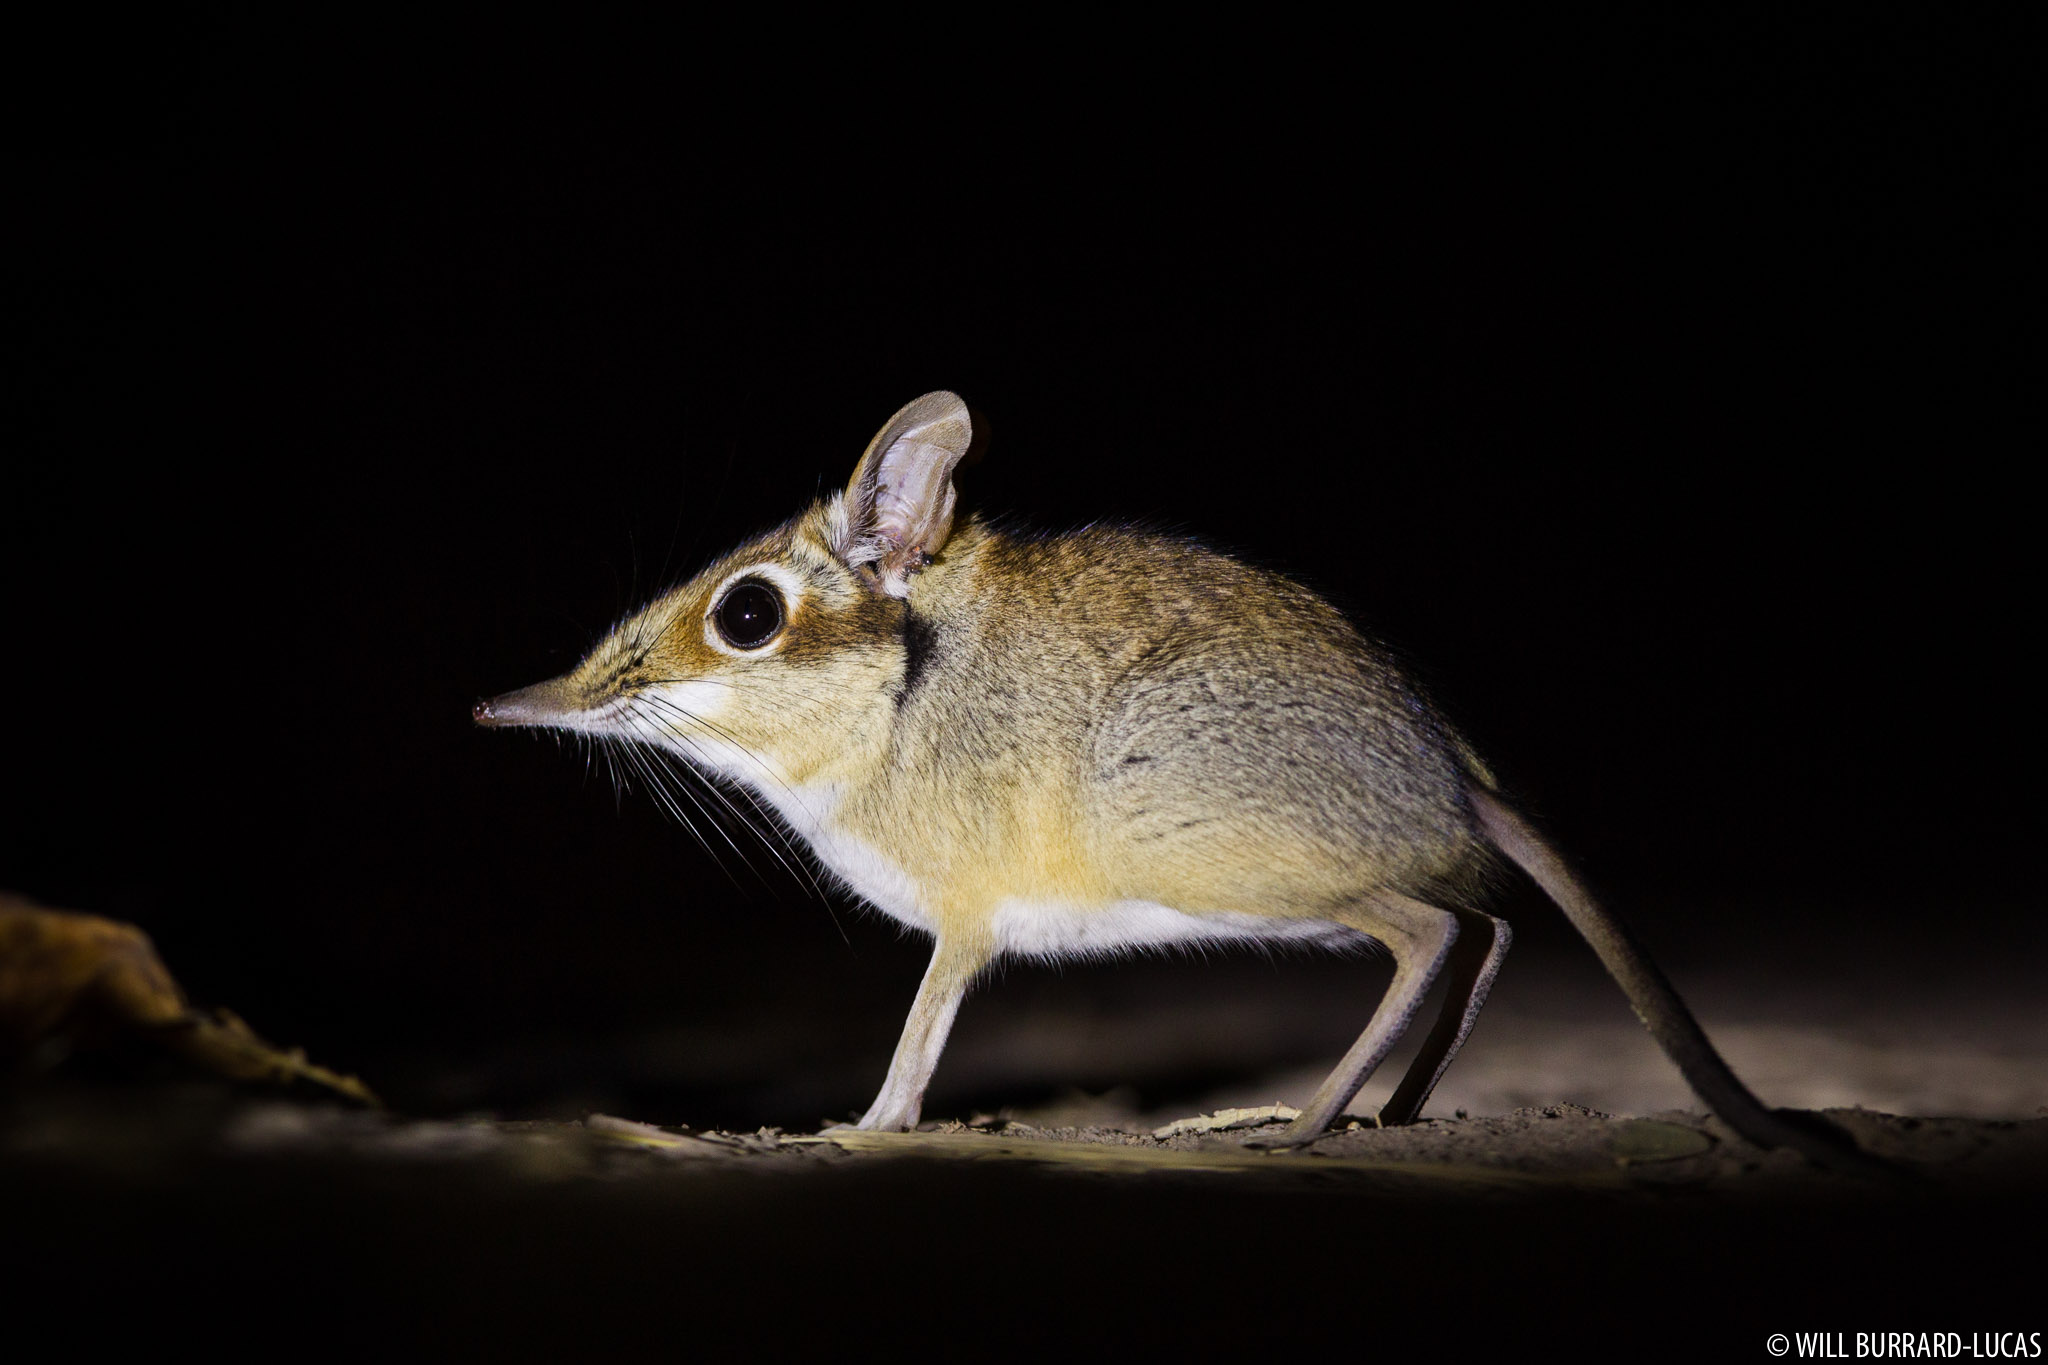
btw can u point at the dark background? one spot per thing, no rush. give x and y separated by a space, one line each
1657 390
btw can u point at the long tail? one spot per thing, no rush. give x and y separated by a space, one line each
1658 1005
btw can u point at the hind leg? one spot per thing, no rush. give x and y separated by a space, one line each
1420 937
1474 962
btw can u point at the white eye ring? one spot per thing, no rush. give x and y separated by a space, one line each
788 586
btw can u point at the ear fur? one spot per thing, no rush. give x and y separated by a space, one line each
899 505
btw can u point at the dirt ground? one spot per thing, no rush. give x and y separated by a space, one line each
180 1211
546 1198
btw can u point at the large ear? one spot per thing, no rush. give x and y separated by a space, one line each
899 506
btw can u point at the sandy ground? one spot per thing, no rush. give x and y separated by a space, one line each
278 1225
155 1209
1563 1188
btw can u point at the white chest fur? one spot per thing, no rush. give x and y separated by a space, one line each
811 811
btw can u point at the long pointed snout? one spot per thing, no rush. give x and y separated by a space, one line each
547 703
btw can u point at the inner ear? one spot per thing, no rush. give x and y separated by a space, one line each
899 505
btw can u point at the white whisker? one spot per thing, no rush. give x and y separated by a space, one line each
769 829
736 742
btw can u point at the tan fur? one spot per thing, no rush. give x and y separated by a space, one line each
1095 741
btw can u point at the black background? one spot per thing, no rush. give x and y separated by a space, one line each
1657 389
1655 385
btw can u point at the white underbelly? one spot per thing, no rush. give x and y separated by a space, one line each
1049 929
1023 926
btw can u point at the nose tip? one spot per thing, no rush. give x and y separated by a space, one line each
547 703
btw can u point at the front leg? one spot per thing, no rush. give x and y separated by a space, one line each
955 964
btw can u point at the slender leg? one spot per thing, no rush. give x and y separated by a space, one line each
1420 938
953 969
1475 960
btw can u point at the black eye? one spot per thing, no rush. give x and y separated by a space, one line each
749 614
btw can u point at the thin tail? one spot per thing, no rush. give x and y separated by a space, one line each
1659 1007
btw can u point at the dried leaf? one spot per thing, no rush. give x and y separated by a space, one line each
1224 1119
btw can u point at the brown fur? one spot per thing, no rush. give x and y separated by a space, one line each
1092 741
